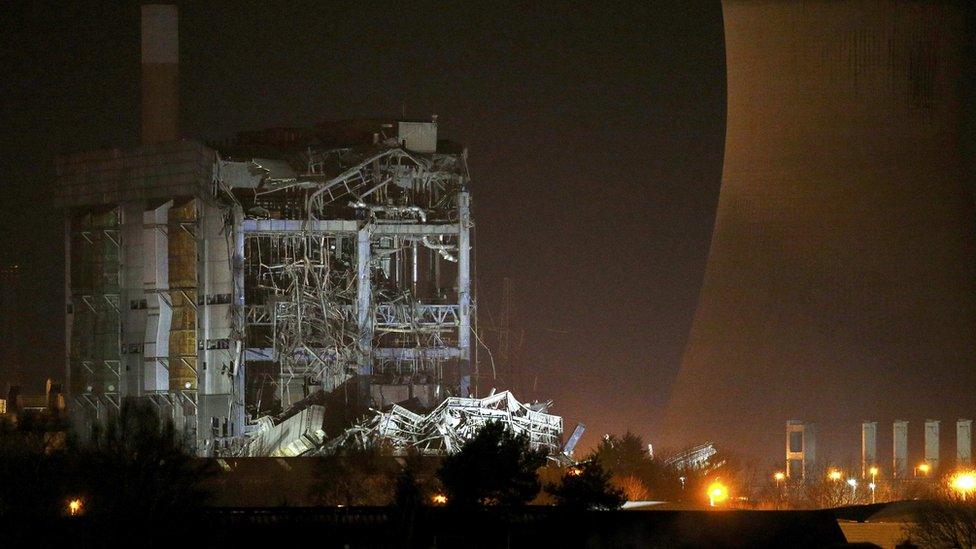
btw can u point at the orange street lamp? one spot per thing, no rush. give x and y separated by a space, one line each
718 493
964 483
439 499
834 474
923 468
778 476
74 507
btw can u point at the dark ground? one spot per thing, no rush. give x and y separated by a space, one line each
438 527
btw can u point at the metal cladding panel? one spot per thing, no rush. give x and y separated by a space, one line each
418 136
133 299
152 171
214 312
182 242
841 281
156 285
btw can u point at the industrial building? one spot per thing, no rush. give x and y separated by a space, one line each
934 460
230 281
841 277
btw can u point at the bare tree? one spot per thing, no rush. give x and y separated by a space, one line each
948 521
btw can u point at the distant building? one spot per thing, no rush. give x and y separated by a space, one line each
49 404
11 336
841 279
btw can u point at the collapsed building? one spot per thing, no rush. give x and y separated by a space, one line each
226 282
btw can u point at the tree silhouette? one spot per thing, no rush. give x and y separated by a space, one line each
136 464
32 469
587 486
355 475
495 467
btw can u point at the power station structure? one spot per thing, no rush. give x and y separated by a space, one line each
227 282
801 451
841 277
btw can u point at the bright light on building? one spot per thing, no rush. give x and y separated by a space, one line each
574 471
439 499
717 493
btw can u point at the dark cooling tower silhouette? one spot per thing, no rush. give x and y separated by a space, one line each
840 284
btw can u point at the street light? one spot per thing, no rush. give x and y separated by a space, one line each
923 468
964 483
874 481
74 507
717 493
834 474
852 482
779 476
439 499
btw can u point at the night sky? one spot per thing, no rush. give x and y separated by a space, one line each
595 135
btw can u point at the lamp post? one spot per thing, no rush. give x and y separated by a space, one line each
874 481
780 477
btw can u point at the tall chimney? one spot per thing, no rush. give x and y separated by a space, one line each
869 447
932 444
964 442
160 73
899 466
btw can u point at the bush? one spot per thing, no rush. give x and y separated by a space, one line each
495 467
587 486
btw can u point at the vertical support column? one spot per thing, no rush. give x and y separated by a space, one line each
237 329
364 298
869 446
464 292
964 442
133 302
155 285
899 465
932 444
414 267
69 316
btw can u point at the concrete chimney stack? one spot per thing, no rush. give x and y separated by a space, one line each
899 466
932 444
869 447
964 442
160 73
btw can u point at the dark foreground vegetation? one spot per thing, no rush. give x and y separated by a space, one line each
444 527
132 481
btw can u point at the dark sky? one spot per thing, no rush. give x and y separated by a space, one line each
595 134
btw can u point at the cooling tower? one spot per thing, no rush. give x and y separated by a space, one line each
840 279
